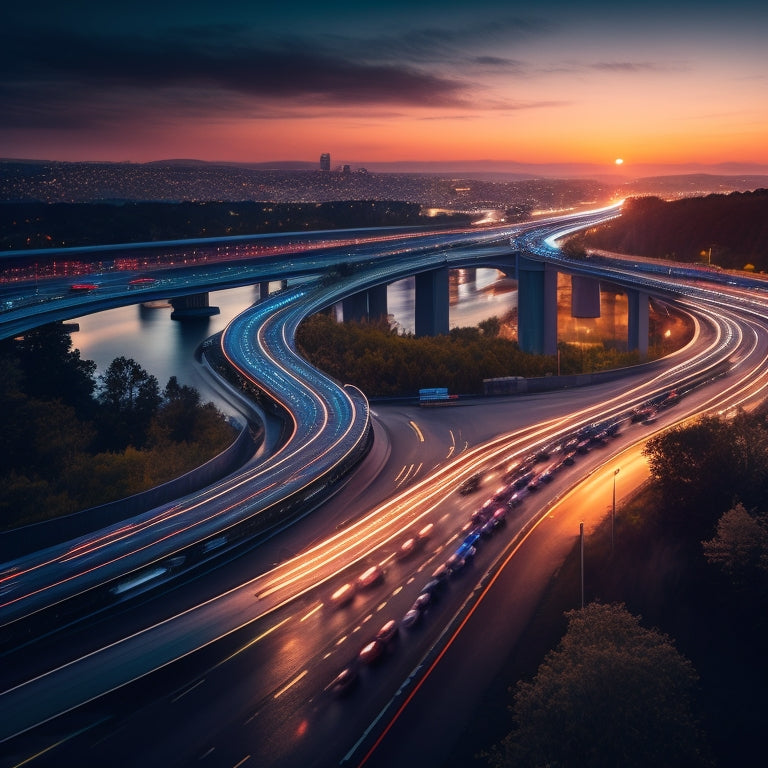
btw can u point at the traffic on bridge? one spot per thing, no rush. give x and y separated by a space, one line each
274 661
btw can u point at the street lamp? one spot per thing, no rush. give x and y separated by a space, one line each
613 508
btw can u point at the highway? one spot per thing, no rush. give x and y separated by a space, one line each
330 431
261 691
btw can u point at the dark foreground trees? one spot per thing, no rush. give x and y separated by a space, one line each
69 443
613 693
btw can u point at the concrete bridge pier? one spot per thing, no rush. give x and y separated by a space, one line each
536 306
263 289
190 307
585 297
355 307
366 305
377 302
637 320
431 299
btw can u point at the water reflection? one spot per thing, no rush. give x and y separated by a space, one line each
166 347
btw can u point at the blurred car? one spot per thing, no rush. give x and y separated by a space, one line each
372 651
470 485
344 681
370 577
411 617
408 547
455 563
426 531
388 632
343 595
441 573
432 588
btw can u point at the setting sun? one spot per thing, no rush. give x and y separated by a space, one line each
619 161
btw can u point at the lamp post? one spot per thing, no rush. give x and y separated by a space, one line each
613 508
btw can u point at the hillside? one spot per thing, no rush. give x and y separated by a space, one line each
728 230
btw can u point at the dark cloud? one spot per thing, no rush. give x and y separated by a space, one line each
45 75
629 66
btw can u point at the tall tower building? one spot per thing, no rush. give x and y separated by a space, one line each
325 161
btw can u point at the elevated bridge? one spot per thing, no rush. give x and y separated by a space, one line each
37 286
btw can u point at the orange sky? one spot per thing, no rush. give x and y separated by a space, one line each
651 82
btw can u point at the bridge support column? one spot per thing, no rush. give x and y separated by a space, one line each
193 306
355 307
637 321
585 297
536 306
431 300
377 302
263 289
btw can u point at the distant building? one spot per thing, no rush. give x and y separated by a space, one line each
346 169
325 161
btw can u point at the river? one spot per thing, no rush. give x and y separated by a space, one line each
165 347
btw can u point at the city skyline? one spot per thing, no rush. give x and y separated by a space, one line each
659 87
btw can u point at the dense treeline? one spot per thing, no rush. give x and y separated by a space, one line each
48 225
691 557
730 230
383 363
71 442
613 693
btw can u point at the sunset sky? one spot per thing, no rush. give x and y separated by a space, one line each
404 80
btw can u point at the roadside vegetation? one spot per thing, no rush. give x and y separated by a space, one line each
71 441
730 231
666 663
385 363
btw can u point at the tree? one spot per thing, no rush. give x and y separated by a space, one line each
740 546
53 370
130 397
613 693
697 468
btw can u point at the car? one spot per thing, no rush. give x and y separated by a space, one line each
388 632
479 516
422 601
455 563
408 547
470 485
343 595
433 587
372 651
441 573
411 617
344 681
502 493
425 532
523 481
370 577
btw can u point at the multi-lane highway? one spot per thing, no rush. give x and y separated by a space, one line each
329 433
264 690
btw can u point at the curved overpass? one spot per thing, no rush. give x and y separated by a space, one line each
725 340
331 430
